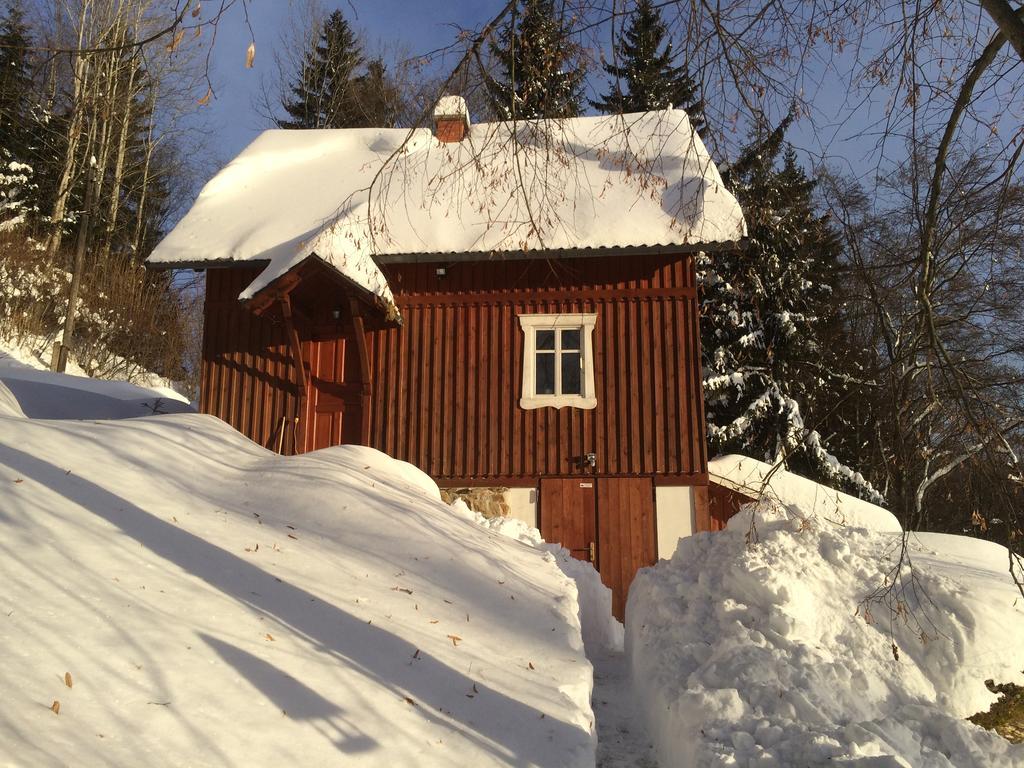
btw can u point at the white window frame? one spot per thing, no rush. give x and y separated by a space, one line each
558 322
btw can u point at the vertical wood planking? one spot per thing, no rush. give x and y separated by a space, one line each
446 385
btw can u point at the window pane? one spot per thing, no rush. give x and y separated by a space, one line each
545 384
571 339
571 373
545 339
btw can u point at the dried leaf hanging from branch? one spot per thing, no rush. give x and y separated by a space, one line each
173 45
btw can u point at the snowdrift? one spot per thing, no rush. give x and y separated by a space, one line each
215 604
762 655
602 632
41 394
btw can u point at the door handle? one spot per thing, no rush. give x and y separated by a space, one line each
593 552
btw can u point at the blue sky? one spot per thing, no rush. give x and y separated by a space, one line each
421 26
425 25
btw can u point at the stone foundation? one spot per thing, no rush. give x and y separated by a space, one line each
489 502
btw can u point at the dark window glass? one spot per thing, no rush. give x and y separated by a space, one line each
571 339
545 339
571 373
545 371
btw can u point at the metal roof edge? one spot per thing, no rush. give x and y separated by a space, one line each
560 253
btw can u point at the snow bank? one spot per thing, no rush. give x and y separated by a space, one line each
601 630
8 402
757 655
42 394
754 478
291 194
216 604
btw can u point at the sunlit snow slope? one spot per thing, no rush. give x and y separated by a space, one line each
218 605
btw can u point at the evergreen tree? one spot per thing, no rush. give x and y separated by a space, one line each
18 190
333 90
15 80
541 75
377 98
765 311
647 71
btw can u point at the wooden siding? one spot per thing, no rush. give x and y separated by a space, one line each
247 375
446 385
723 503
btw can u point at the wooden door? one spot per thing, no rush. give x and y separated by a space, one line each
334 411
611 518
568 514
625 533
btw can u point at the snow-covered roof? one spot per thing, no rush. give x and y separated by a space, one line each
353 196
752 477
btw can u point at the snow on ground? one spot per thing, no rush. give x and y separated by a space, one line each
757 654
602 632
622 740
47 395
215 604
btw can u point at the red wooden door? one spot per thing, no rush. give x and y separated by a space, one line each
609 518
334 411
625 533
568 514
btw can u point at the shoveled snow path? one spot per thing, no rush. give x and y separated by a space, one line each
622 740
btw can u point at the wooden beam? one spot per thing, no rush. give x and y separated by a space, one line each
296 347
359 335
274 293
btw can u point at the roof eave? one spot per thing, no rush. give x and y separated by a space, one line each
286 282
434 256
558 253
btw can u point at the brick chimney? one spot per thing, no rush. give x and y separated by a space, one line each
451 119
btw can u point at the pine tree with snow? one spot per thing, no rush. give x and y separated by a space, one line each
540 69
330 91
644 75
18 190
764 313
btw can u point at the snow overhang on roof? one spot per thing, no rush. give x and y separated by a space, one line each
358 195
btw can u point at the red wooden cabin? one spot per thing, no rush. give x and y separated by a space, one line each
528 338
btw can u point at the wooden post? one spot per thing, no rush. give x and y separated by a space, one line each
67 339
296 345
359 332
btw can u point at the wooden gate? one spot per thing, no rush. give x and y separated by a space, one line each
606 520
